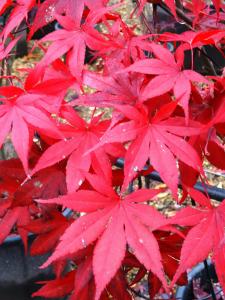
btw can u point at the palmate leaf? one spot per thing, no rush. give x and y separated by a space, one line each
82 284
159 139
114 224
23 111
169 76
48 231
17 206
206 235
74 8
23 120
73 39
80 137
115 89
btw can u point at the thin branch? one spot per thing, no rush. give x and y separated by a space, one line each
205 54
179 4
208 61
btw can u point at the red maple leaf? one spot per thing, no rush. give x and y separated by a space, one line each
48 230
170 249
169 76
159 139
24 110
48 10
123 44
112 89
115 221
207 232
17 204
73 39
58 287
79 138
80 282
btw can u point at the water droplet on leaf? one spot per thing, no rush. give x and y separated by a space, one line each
135 169
35 140
83 243
49 16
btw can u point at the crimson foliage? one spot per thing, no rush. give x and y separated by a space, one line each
163 116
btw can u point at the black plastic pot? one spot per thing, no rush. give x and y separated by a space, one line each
20 272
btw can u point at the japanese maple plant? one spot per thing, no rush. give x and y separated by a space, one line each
149 107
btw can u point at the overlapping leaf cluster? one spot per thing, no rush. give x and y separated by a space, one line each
165 117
